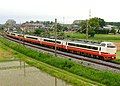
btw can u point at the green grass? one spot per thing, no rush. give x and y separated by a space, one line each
103 77
118 54
98 37
118 57
4 54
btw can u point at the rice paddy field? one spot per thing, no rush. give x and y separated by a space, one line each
15 76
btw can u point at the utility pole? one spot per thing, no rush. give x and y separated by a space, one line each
55 81
24 46
55 36
63 20
24 69
87 29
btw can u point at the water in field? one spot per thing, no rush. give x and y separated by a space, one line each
12 75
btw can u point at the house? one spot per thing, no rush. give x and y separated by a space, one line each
31 26
77 22
109 27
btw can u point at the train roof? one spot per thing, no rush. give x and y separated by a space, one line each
32 36
53 39
107 42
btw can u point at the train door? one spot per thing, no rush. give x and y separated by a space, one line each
64 44
103 47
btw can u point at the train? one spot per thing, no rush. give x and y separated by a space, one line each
101 50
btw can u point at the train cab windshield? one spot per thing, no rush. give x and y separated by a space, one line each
110 45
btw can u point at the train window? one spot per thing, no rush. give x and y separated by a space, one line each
52 41
20 35
66 43
12 34
58 42
110 46
100 49
83 46
95 48
31 38
48 40
72 44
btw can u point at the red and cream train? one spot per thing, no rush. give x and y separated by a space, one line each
103 50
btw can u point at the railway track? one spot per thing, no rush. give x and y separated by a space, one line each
112 65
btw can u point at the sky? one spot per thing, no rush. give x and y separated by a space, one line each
66 11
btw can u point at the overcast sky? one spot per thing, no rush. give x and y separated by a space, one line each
64 10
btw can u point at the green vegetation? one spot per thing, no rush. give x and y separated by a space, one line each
118 57
39 31
50 32
113 23
103 77
97 37
118 54
4 55
94 25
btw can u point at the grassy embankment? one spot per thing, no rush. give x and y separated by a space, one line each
7 54
4 54
118 57
103 77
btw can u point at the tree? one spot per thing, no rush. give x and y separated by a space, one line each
60 35
60 31
91 32
113 23
94 24
59 28
39 31
83 26
65 28
10 24
1 27
31 21
101 22
102 31
113 31
26 22
37 21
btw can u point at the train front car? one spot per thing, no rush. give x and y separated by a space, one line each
108 50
